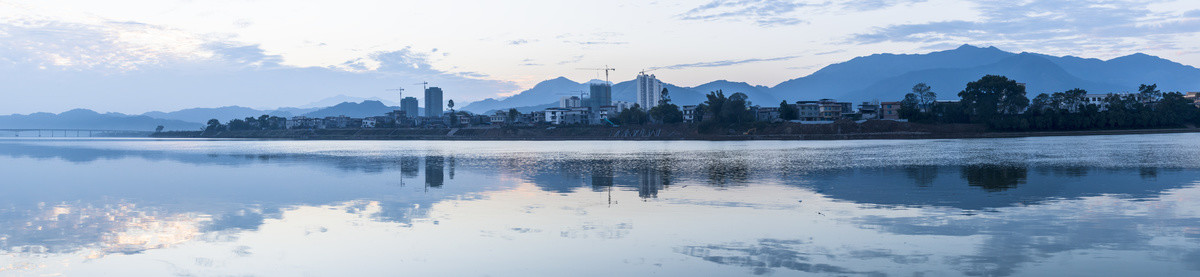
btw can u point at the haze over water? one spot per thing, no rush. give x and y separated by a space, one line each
1085 206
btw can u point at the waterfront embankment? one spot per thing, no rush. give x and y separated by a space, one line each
845 130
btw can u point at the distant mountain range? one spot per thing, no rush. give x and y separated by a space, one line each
187 119
887 77
88 119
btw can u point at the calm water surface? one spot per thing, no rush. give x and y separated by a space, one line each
1063 206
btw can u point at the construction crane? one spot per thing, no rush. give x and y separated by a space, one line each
424 85
399 91
606 70
643 72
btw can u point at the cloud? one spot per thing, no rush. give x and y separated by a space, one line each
530 62
55 66
109 46
869 5
574 59
518 42
598 38
598 42
723 63
766 13
1039 24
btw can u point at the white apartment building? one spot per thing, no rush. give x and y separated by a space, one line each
649 91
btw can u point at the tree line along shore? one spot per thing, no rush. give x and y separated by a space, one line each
993 106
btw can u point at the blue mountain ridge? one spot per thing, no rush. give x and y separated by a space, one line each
887 77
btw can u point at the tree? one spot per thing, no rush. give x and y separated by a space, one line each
1041 104
727 110
910 107
665 97
453 115
787 111
993 95
158 129
512 115
926 98
264 122
633 115
666 113
213 125
1148 93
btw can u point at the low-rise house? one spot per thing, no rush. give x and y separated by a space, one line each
889 110
624 105
808 110
689 113
555 115
536 117
607 113
869 110
296 122
500 117
368 122
831 110
765 113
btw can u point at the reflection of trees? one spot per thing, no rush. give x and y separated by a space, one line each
410 166
995 178
723 173
1148 173
922 175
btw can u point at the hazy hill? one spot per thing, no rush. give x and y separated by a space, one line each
200 115
1037 72
351 109
88 119
758 95
547 93
836 80
888 76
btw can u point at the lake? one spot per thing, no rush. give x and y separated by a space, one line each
1053 206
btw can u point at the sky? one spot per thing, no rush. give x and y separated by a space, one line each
137 56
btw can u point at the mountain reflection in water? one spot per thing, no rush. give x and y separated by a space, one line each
961 207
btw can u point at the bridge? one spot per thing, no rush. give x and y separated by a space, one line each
76 132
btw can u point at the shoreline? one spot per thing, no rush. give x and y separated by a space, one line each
357 134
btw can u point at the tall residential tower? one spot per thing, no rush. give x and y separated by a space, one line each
649 91
433 102
408 105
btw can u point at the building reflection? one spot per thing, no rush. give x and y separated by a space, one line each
410 166
450 167
651 178
434 171
602 174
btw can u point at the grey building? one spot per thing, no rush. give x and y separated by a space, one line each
600 95
408 105
433 102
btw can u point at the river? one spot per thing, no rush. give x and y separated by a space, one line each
1050 206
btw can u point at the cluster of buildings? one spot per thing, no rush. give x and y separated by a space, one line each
598 108
594 108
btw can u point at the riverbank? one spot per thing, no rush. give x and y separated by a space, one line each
786 131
